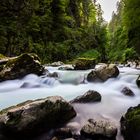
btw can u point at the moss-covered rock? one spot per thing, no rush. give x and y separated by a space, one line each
21 66
130 124
29 118
84 64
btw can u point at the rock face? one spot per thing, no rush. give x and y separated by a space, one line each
101 129
88 97
103 73
138 81
130 124
21 66
127 91
84 64
31 117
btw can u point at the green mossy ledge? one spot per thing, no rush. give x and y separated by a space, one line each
130 124
84 63
20 66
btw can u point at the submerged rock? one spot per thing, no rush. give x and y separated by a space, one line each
130 124
127 91
65 68
54 75
29 118
103 73
99 129
88 97
84 64
21 66
138 81
30 85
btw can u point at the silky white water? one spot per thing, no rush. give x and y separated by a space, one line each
70 85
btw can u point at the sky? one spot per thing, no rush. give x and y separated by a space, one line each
108 6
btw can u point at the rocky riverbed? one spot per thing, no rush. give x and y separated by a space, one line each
59 103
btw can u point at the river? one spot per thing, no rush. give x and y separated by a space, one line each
70 85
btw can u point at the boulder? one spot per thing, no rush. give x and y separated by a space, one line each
127 91
89 97
103 73
84 64
32 117
54 75
92 77
130 124
99 129
138 81
21 66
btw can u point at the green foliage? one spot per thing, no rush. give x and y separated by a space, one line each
91 54
124 31
54 29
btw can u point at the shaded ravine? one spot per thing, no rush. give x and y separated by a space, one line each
69 85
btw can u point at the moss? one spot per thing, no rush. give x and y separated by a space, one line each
2 56
133 118
130 124
85 63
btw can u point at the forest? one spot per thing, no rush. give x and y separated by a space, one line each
66 29
68 73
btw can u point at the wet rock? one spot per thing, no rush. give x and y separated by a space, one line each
63 133
103 73
21 66
130 124
56 64
88 97
30 118
99 129
65 68
127 91
138 81
92 77
54 75
84 64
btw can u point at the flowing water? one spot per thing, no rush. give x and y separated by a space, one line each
71 84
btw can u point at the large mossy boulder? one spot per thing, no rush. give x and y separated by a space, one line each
20 66
138 81
130 124
32 117
103 73
99 130
89 97
84 64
